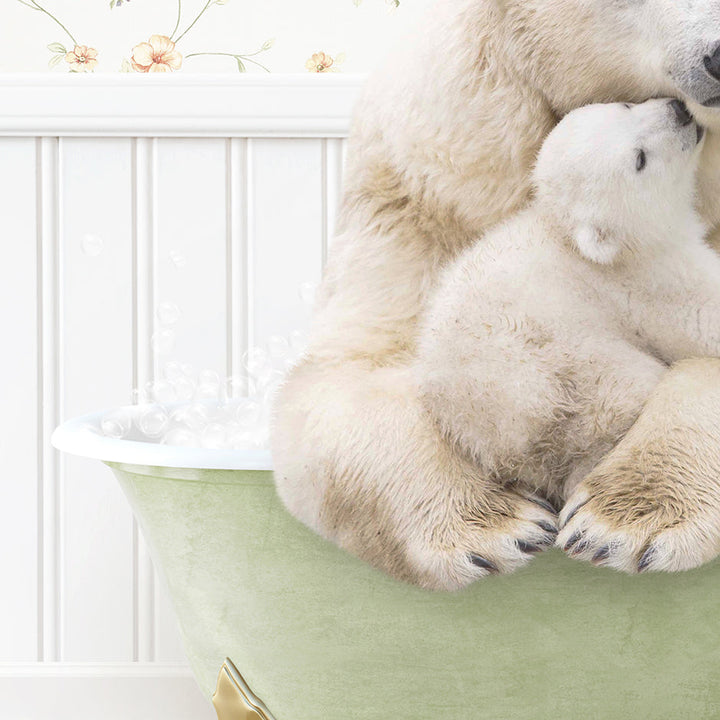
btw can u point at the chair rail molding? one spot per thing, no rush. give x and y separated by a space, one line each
35 105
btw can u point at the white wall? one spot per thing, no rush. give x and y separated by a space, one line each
241 178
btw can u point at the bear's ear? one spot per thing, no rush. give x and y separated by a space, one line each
596 245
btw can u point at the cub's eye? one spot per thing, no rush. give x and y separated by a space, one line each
641 161
628 106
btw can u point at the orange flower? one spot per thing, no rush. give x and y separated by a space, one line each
156 55
82 58
319 62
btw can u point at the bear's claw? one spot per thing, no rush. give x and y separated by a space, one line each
483 563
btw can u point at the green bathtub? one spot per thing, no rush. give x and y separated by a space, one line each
315 634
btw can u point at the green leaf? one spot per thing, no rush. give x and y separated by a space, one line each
57 48
268 44
241 65
54 60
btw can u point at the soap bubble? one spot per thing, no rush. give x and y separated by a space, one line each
213 435
196 416
278 347
153 421
184 388
248 414
116 424
163 341
168 313
173 371
181 437
307 292
237 387
208 377
298 341
254 360
243 440
207 391
92 245
178 259
161 391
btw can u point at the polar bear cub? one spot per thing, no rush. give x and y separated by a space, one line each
546 338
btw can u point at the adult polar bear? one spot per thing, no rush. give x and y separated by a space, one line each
441 149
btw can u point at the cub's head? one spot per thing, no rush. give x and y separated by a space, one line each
621 178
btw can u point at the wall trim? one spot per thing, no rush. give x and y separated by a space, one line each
112 691
130 105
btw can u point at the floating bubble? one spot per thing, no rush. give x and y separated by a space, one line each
92 245
116 424
307 291
153 421
178 259
278 347
168 313
163 341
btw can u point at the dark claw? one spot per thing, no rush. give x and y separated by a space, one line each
527 547
543 503
646 560
581 547
602 554
573 512
481 562
547 527
575 537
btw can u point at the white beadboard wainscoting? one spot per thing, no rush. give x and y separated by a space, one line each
118 194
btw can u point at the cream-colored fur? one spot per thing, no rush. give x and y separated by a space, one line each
544 341
441 150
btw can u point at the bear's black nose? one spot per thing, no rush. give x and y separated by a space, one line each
712 63
681 112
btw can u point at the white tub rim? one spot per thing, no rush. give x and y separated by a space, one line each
82 436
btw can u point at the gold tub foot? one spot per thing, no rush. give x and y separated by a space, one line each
234 700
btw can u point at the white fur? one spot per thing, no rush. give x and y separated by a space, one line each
538 349
441 150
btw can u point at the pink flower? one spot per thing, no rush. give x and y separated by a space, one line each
319 62
82 58
156 55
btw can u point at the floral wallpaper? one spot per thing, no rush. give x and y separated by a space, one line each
169 36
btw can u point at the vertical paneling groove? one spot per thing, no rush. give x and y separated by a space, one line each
332 164
325 194
144 240
50 399
237 250
249 279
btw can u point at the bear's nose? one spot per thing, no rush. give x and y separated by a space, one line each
712 63
681 112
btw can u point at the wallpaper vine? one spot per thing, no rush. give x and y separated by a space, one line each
149 36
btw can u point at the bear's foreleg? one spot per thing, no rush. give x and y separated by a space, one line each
654 502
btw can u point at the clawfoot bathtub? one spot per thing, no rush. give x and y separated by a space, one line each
312 633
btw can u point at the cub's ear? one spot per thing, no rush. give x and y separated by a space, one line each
595 245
